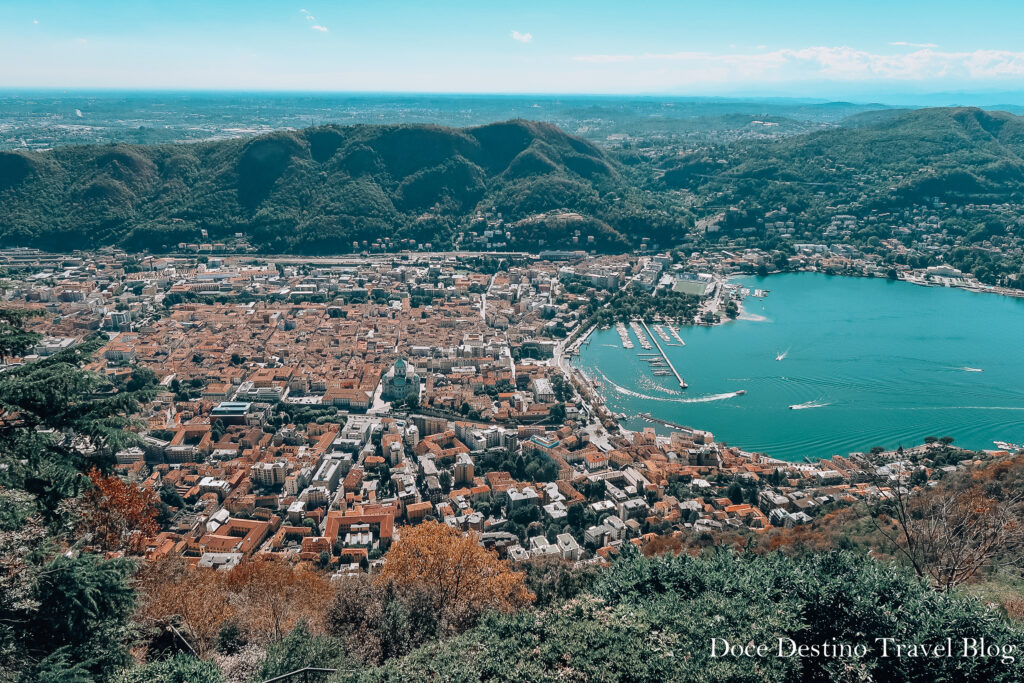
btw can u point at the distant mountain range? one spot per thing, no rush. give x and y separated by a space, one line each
334 189
887 157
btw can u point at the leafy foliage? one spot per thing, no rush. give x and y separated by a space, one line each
14 338
120 516
651 619
377 622
58 422
181 668
264 599
77 617
462 578
300 649
64 615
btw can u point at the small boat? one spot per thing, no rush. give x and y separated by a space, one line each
805 406
967 369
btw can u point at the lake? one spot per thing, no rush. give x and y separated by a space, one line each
870 362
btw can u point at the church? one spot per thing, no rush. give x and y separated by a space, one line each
400 381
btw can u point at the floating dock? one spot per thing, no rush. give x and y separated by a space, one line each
627 343
671 367
644 343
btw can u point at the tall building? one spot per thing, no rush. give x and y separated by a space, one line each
463 469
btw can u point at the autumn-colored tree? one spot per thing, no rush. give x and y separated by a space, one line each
376 623
661 544
265 598
193 599
950 537
460 577
953 532
119 515
272 597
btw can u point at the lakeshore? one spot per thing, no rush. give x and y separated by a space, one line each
864 362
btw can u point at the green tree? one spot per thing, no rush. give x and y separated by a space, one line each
79 612
68 421
142 378
231 638
675 603
300 649
15 340
735 492
181 668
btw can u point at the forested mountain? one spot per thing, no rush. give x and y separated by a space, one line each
316 191
335 189
886 158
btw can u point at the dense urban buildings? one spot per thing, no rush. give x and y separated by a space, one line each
312 411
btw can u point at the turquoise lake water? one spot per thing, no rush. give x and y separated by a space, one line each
884 363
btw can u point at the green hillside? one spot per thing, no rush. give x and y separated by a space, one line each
888 158
339 189
315 190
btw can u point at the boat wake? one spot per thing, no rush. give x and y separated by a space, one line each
696 399
808 404
649 385
967 369
712 397
782 355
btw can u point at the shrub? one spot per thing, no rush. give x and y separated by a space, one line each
181 668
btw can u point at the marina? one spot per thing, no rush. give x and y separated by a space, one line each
627 343
868 348
668 363
641 337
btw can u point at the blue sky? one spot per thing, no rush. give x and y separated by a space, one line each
728 47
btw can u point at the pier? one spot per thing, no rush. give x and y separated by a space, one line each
650 418
671 367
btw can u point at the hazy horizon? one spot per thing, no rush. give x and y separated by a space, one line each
795 49
984 99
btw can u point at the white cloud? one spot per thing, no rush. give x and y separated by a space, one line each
903 43
833 63
522 37
310 17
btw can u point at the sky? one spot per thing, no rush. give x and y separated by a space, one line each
856 49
